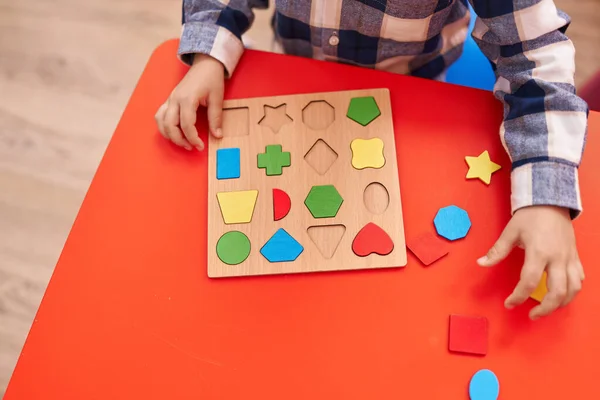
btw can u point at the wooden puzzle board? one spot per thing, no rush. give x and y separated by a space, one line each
249 125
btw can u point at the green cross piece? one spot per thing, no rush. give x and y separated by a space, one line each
273 159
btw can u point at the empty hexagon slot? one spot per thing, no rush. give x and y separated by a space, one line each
326 238
376 197
321 157
275 117
318 115
323 201
236 122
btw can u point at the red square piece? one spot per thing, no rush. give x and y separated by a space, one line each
468 334
428 247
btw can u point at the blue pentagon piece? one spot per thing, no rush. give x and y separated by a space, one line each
281 247
452 222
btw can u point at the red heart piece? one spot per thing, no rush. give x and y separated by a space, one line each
372 239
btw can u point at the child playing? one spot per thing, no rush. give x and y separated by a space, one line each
544 124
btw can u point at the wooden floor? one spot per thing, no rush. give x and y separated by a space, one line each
67 68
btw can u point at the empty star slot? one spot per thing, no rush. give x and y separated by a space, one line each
275 117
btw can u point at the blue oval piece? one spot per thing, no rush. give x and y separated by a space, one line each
452 222
281 247
484 386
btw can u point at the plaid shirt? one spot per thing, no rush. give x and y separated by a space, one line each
545 122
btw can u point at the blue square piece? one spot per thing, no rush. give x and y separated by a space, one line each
228 163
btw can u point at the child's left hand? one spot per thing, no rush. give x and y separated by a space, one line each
546 233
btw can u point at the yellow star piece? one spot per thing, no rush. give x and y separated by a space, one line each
481 167
539 293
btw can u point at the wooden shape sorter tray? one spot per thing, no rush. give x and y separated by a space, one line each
340 185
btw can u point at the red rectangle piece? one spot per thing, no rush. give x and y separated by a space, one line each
468 334
427 247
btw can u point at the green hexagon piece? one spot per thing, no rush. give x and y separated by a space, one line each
323 201
363 110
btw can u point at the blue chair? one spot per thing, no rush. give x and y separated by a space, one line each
472 68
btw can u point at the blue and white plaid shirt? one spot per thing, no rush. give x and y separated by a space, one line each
545 122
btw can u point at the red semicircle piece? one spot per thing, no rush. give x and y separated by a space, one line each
281 204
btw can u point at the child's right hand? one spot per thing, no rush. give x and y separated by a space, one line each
202 86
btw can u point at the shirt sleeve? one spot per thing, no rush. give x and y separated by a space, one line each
545 122
215 28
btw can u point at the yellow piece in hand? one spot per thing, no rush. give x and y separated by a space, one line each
481 167
539 293
237 207
367 153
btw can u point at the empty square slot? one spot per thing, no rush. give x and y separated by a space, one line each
236 122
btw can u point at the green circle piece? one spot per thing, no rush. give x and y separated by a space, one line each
233 248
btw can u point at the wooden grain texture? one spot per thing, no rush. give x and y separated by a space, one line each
585 33
376 198
67 69
326 238
297 181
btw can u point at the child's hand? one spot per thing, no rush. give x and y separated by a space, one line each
546 233
201 86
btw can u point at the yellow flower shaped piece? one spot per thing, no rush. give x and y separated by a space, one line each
367 153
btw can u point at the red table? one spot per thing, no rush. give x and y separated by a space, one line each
131 314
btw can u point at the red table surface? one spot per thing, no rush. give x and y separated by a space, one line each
131 314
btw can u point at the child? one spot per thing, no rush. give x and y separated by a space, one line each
544 124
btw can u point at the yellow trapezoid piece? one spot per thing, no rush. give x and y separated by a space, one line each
481 167
367 153
541 290
237 207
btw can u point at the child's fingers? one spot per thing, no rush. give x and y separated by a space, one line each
531 273
501 248
573 283
187 120
215 113
557 291
159 117
171 126
580 269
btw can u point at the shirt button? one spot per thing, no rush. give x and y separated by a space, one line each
334 40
